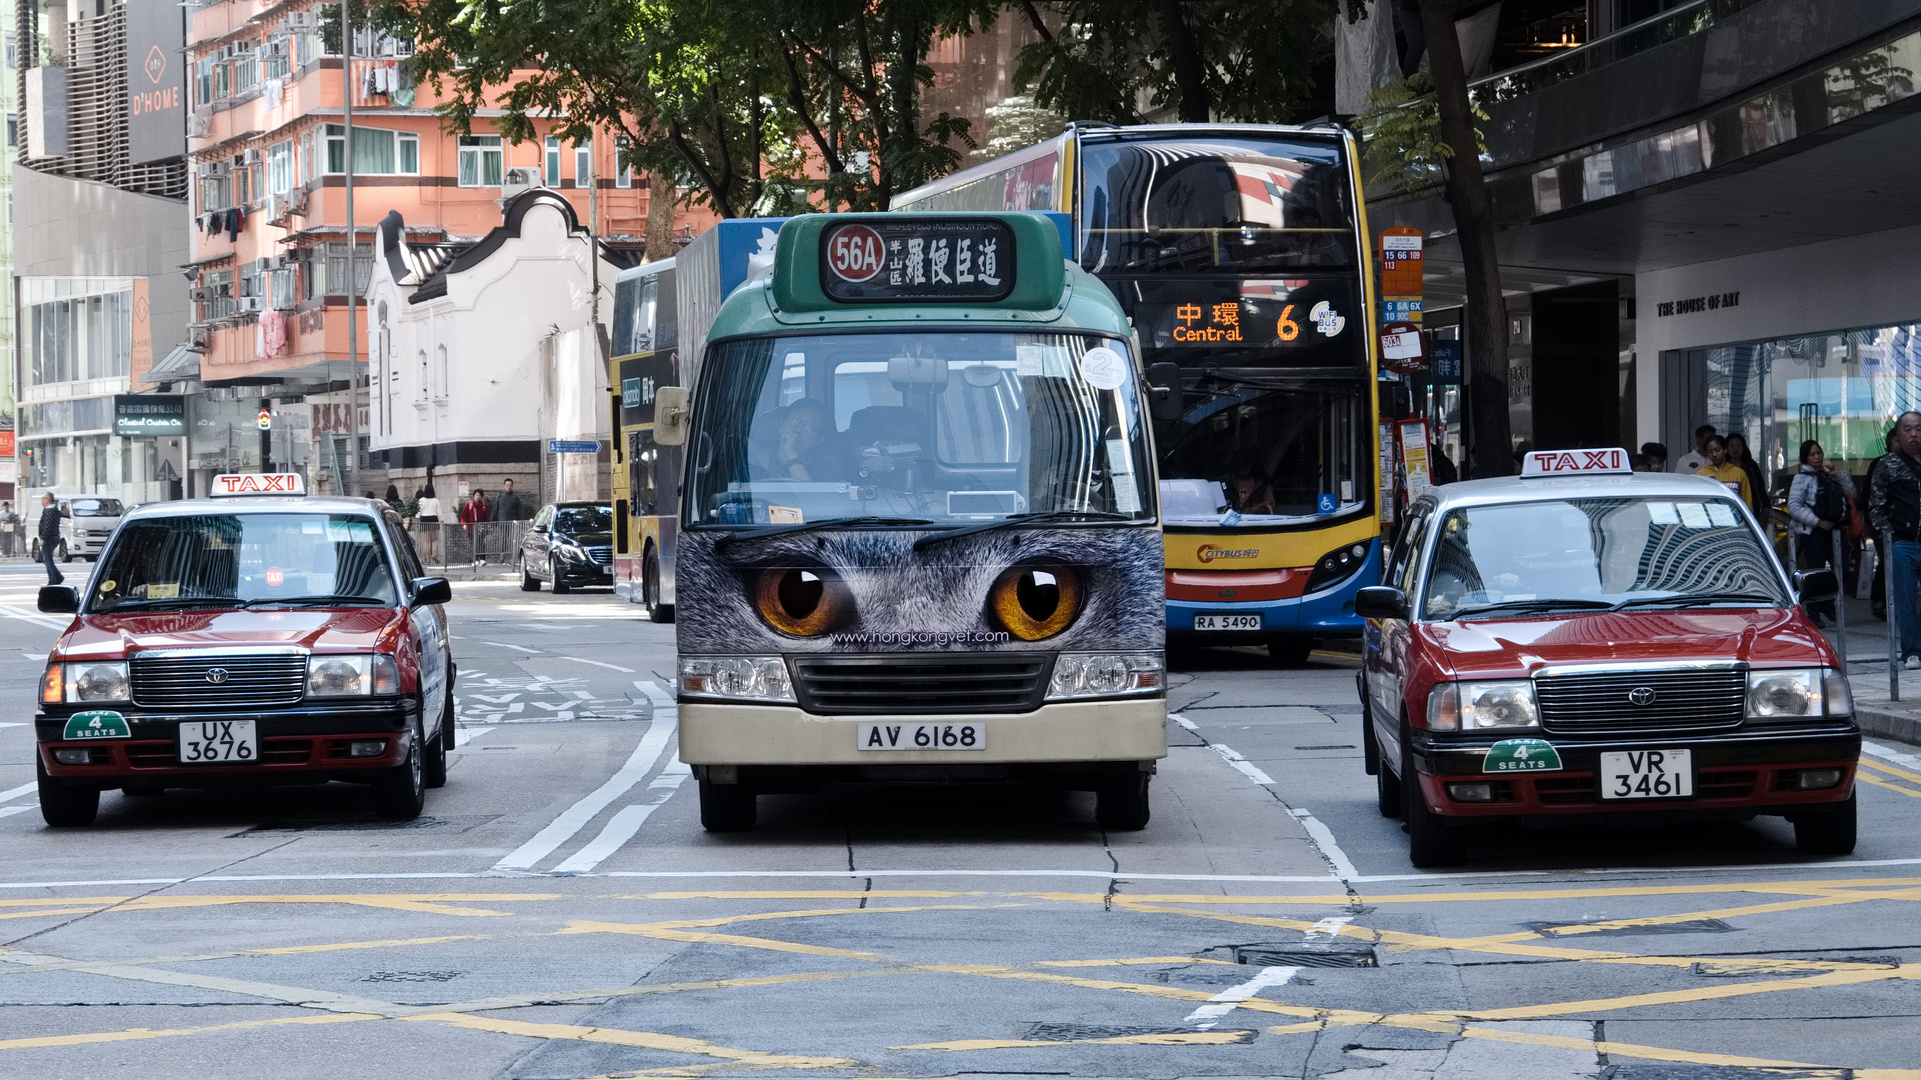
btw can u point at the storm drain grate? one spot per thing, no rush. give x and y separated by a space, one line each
1337 746
1690 926
456 823
1316 954
413 976
1079 1032
1738 968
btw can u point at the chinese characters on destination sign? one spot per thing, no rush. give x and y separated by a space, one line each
918 259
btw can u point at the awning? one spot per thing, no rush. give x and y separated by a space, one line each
180 364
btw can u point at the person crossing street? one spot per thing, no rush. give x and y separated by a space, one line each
50 538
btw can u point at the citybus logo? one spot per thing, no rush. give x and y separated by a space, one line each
1208 553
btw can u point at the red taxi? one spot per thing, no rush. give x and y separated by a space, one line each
252 639
1586 643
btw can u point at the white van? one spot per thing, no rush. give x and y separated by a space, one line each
87 523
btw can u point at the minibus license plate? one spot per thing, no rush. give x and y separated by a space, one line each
1227 622
1647 774
215 741
922 737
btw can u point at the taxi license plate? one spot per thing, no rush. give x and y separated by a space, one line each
921 737
1227 622
216 741
1647 774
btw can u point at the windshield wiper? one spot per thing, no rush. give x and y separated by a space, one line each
316 601
1534 605
926 542
830 523
1700 598
179 601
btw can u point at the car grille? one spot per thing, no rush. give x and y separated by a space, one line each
252 680
1690 699
602 556
908 685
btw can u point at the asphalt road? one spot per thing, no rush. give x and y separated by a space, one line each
559 913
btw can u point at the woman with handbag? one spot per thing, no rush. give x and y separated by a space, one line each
1818 511
427 526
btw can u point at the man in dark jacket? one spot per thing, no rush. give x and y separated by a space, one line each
50 538
507 506
1894 506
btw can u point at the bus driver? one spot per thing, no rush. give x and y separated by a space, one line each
806 448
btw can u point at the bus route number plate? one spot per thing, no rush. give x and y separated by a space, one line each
884 736
1227 622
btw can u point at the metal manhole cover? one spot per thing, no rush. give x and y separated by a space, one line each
1078 1032
1317 954
413 976
1690 926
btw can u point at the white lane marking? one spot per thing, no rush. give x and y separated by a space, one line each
465 735
28 616
663 702
1324 839
596 663
1889 753
1230 999
1183 721
1240 764
1331 926
576 817
627 823
13 793
14 723
33 656
520 648
9 811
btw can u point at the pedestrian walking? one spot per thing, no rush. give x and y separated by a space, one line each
9 528
1878 585
508 506
476 510
1758 501
50 538
1719 467
1692 461
427 525
1817 513
1894 506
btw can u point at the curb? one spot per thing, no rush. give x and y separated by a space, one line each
1886 724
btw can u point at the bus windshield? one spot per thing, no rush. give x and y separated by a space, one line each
934 427
1208 203
1244 455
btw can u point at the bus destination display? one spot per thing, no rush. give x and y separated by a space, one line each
920 259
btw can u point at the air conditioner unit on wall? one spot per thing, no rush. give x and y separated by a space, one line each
252 157
303 20
517 180
248 303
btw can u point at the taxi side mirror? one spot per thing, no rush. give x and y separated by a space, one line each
670 415
432 590
1380 602
59 599
1816 586
1166 400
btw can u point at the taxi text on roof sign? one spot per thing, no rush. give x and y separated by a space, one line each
280 483
824 262
1612 461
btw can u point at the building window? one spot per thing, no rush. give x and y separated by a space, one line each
552 160
203 82
420 392
215 193
440 352
276 61
377 152
480 161
216 295
583 163
281 289
76 328
623 168
280 168
13 129
13 52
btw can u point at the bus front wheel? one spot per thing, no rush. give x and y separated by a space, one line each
1121 804
727 807
650 589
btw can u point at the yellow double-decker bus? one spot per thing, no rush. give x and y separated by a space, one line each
645 358
1240 254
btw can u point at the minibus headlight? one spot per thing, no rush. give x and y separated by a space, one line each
352 675
98 682
735 678
1777 694
1088 675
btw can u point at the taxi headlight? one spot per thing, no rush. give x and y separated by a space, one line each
98 682
750 678
1483 706
352 674
1781 694
1086 675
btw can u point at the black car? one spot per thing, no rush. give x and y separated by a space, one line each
568 544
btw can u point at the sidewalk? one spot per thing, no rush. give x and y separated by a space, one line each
1866 654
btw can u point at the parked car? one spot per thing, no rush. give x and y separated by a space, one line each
568 544
88 521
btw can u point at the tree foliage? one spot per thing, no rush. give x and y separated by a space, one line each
1402 133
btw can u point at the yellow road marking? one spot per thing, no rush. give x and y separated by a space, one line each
1343 900
1132 961
811 894
1671 997
1171 1038
162 1033
289 950
1891 770
1866 779
647 1040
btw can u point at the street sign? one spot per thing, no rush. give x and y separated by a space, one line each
1402 349
149 414
1401 261
573 446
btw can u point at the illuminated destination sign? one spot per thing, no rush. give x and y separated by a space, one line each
942 259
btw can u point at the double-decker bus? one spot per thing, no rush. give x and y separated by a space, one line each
645 358
1240 254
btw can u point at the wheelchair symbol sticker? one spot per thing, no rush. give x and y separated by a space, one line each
1326 504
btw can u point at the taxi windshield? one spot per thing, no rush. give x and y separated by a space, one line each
1612 553
254 560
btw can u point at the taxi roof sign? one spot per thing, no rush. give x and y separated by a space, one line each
1612 461
273 483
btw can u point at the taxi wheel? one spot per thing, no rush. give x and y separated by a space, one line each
64 805
1370 746
434 764
1121 805
401 792
1827 833
528 582
727 807
560 583
1431 841
1387 791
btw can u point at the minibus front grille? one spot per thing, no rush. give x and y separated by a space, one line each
908 685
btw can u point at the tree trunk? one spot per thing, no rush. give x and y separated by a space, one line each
1491 449
1189 74
660 214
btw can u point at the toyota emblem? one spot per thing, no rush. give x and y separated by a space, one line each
1641 695
217 675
